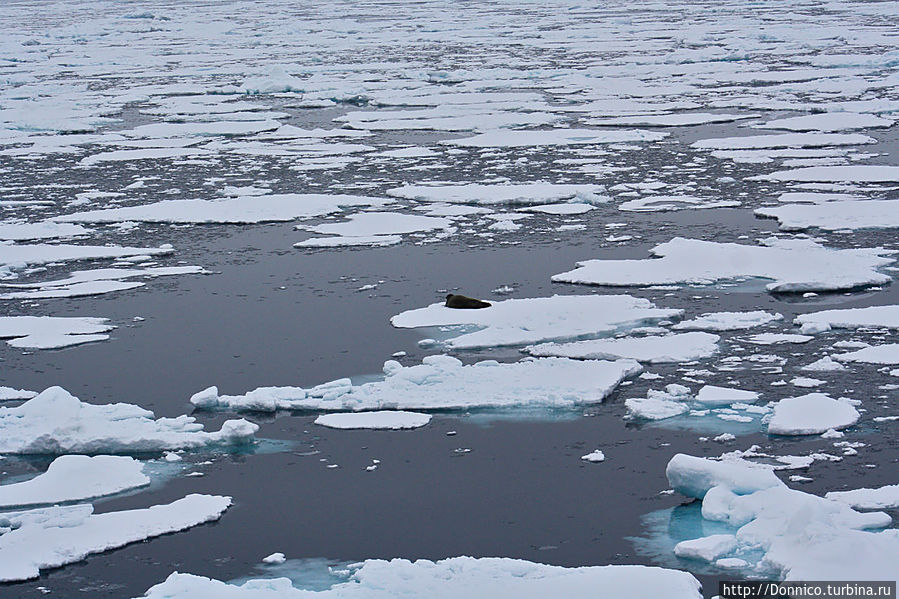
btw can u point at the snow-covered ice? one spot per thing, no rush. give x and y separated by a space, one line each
510 193
76 478
887 353
55 422
555 137
383 419
694 477
594 456
728 321
811 414
52 332
535 320
886 497
712 395
792 265
368 227
856 173
682 347
836 216
851 318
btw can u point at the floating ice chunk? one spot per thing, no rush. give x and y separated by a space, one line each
555 137
20 256
729 321
76 478
793 265
654 408
330 242
594 456
857 173
93 282
710 395
53 537
808 197
42 230
886 497
443 383
683 347
801 381
52 332
672 120
243 210
785 140
272 79
385 419
534 320
876 354
55 422
707 549
667 203
825 364
778 338
274 558
453 578
143 154
811 414
835 216
10 393
370 227
828 121
694 477
508 193
873 316
567 208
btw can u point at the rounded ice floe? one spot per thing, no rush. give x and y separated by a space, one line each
811 414
55 422
594 456
443 383
274 558
454 578
710 395
654 408
836 216
529 194
534 320
872 316
52 332
53 537
382 419
694 477
793 265
76 478
683 347
876 354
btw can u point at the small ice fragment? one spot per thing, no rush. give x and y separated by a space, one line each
275 558
594 456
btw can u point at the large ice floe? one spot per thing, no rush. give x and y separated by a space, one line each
886 497
857 173
793 265
887 353
452 578
52 332
444 383
766 529
16 257
52 537
76 478
534 320
55 422
373 228
92 282
382 419
240 210
682 347
555 137
728 321
811 414
510 193
784 140
836 216
851 318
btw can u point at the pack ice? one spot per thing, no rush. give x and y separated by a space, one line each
524 194
450 579
52 332
793 265
682 347
55 422
444 383
535 320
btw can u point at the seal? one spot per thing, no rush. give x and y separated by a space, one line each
465 303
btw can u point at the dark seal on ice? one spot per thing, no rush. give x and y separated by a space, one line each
465 303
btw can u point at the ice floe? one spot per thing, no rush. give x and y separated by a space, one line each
876 354
92 282
857 173
792 264
785 140
811 414
694 477
778 338
17 257
711 395
52 332
375 228
594 456
452 578
828 121
836 216
55 422
444 383
669 203
42 230
682 347
728 321
241 210
11 393
555 137
873 316
886 497
535 320
53 537
72 478
510 193
383 419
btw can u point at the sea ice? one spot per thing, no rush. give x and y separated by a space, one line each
384 419
444 383
784 140
694 477
886 497
594 456
876 354
17 257
508 193
452 578
851 318
828 121
683 347
811 414
555 137
42 230
53 537
778 338
92 282
52 332
669 203
836 216
793 264
55 422
535 320
10 393
729 321
369 227
710 395
76 478
856 173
